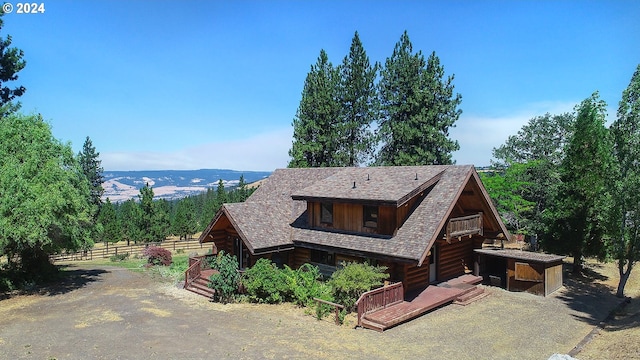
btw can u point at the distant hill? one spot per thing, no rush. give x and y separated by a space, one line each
172 184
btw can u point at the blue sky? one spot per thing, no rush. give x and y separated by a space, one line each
216 84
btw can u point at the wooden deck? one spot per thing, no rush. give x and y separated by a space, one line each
201 284
461 290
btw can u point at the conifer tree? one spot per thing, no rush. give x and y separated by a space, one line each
11 62
418 107
147 213
129 216
108 224
358 106
92 169
315 131
185 223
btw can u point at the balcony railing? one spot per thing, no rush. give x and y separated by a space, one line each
464 226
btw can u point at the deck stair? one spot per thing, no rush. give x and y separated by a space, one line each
461 291
200 285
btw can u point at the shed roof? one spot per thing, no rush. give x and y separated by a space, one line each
521 255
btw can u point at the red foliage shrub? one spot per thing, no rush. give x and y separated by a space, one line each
157 255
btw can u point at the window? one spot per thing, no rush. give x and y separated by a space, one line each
370 216
326 213
322 257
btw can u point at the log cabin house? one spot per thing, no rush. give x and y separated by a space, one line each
421 222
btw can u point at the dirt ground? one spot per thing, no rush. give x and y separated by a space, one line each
104 312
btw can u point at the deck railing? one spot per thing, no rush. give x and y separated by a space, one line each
379 298
196 264
462 226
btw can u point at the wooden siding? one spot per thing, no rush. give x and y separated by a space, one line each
300 257
553 278
350 217
532 277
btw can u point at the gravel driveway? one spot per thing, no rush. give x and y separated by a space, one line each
113 313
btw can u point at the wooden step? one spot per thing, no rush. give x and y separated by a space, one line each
201 286
470 297
368 324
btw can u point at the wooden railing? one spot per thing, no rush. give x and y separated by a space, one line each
463 226
196 264
379 298
194 270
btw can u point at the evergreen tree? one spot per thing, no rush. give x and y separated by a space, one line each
185 223
108 224
11 63
417 109
221 195
579 213
315 130
161 223
129 216
147 213
92 169
626 212
358 106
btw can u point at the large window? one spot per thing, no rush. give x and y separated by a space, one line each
370 216
326 213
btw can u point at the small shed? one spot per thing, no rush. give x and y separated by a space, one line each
518 270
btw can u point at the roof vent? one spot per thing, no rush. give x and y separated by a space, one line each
367 177
354 185
416 177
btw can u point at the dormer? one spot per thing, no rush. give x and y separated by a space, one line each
367 200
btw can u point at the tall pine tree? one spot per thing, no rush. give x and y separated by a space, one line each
315 131
358 106
418 107
92 169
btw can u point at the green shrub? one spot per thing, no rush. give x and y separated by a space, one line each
304 285
225 282
119 257
264 282
353 279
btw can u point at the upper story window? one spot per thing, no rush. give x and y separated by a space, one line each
326 213
370 216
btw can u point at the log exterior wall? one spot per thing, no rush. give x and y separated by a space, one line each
456 258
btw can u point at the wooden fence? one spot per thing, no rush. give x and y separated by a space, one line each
135 249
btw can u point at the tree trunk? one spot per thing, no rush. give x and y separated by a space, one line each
624 276
577 262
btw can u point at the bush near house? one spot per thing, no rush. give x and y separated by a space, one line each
353 279
226 281
157 256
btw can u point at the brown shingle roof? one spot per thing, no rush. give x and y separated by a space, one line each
420 230
271 218
389 185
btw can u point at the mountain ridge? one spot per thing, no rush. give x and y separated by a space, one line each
172 184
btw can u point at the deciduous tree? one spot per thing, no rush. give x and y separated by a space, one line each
579 213
626 134
43 194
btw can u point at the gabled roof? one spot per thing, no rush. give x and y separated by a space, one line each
274 217
262 221
375 185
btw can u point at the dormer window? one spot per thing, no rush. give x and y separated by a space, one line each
326 213
370 219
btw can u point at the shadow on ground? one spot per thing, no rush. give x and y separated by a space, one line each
592 300
68 279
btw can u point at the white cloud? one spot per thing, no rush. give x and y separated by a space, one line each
478 134
266 152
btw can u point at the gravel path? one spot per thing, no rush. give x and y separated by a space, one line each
113 313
